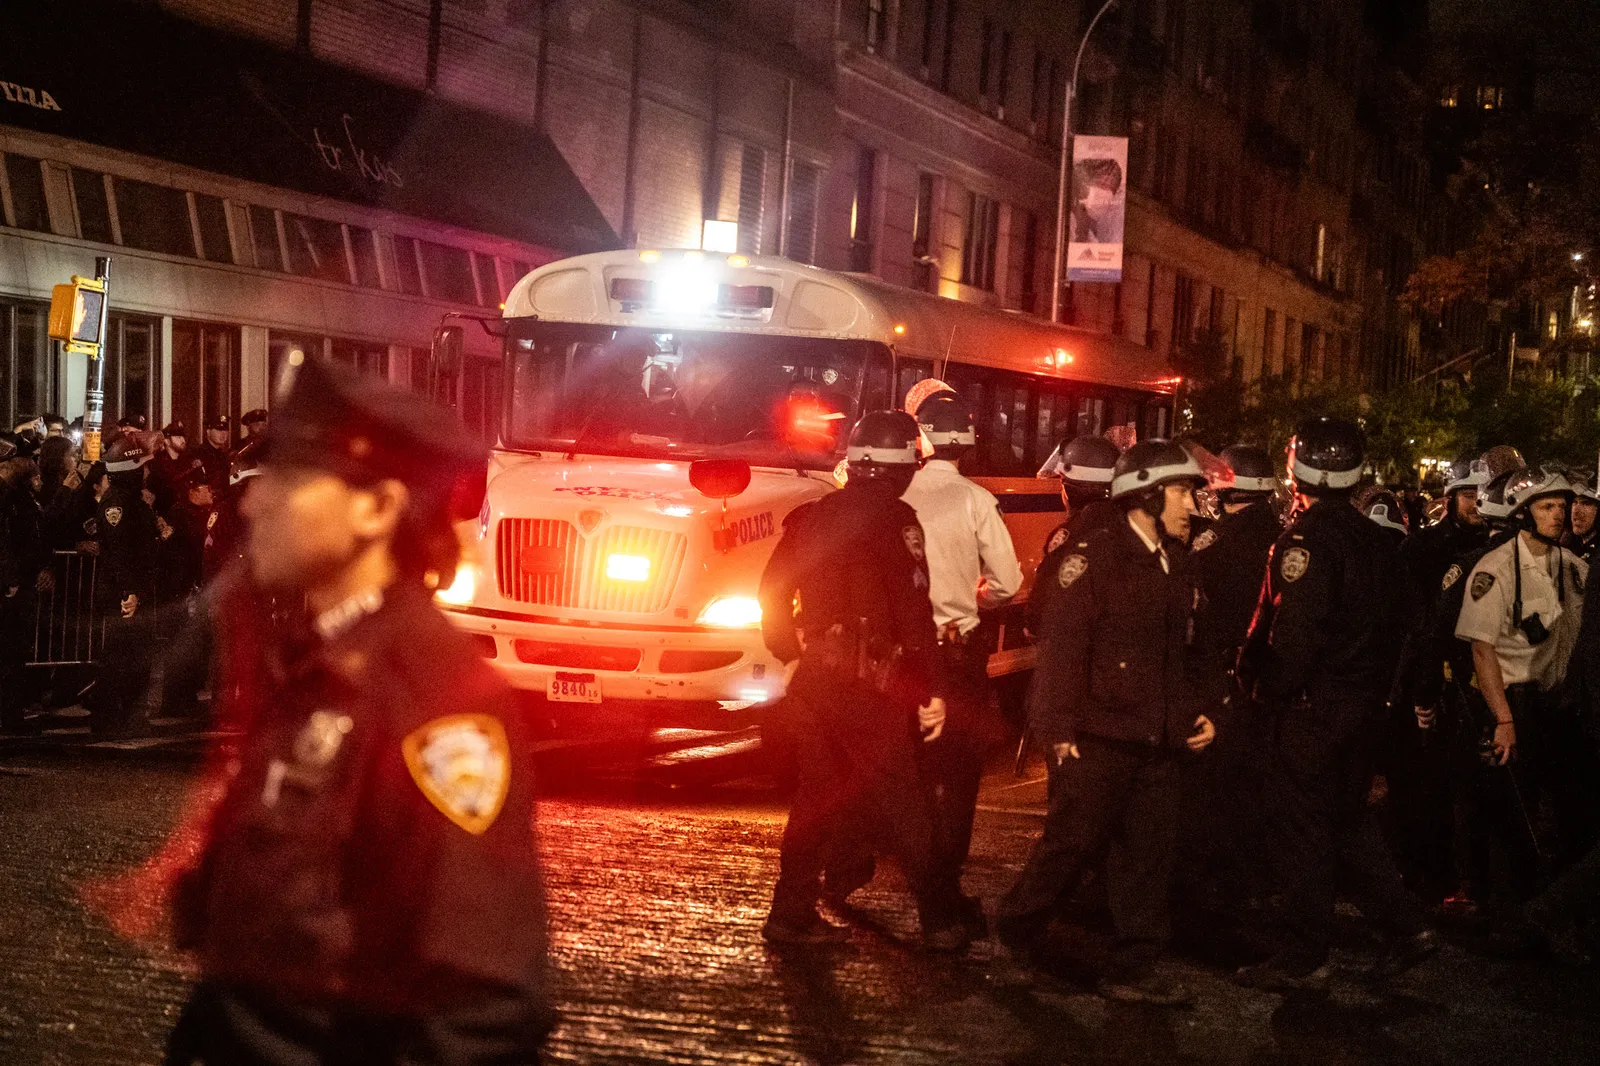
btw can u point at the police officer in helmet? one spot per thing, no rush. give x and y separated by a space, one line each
369 890
1582 536
868 681
1085 465
1115 704
1322 650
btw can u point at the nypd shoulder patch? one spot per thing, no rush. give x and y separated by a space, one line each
1451 576
1057 539
1206 539
1482 582
1296 561
462 764
1072 568
913 539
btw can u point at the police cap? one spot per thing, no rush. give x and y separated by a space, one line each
1327 453
254 417
175 429
219 422
363 430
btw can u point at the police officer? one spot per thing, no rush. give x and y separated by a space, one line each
254 425
1388 514
1582 537
1084 464
224 538
190 520
126 534
369 891
1522 612
214 450
1114 702
868 676
1220 866
971 563
170 466
1322 650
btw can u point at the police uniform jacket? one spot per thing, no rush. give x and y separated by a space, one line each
1115 657
167 477
856 560
1332 612
1428 554
186 546
374 853
1440 647
1096 514
124 527
1229 571
1583 547
215 462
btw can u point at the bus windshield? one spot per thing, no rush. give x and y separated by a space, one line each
684 394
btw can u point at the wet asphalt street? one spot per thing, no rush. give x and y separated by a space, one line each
656 903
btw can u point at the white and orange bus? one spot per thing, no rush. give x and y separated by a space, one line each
598 574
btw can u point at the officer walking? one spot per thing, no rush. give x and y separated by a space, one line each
1084 464
1322 651
1522 611
971 563
1115 703
369 891
868 677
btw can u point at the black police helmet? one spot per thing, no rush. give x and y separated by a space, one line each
1326 455
1086 462
883 445
1252 470
1149 465
947 423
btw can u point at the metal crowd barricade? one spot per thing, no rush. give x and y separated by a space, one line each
67 629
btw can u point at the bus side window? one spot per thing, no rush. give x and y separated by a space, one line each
1092 415
876 376
907 373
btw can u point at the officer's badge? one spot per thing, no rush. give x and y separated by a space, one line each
1295 563
211 520
1057 539
462 764
913 537
1072 568
1451 576
1482 582
320 739
1206 539
114 516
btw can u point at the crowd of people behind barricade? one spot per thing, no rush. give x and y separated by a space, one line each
98 559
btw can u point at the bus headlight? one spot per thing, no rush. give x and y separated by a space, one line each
461 590
732 612
628 567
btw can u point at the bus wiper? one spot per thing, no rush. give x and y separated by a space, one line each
583 431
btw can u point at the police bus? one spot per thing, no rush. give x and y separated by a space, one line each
659 413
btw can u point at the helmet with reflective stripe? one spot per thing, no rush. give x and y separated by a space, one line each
1383 507
1327 454
1583 487
246 462
1151 464
883 444
1252 470
1530 485
946 421
1492 499
1467 475
1086 461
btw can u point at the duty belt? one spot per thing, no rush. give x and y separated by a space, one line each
842 650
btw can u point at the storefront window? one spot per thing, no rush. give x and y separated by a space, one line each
289 349
205 372
27 364
365 356
130 368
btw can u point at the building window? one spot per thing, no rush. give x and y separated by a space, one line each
1002 89
405 261
363 243
316 248
94 212
154 218
979 242
488 281
947 66
264 237
1030 263
1269 343
365 356
448 273
130 368
874 25
205 372
1450 96
289 349
1183 309
27 362
752 182
861 210
1039 106
1491 97
986 61
28 207
801 227
213 218
928 29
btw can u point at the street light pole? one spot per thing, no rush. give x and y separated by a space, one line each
1066 166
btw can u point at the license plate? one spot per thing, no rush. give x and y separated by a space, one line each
574 688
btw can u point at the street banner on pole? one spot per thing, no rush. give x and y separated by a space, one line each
1099 205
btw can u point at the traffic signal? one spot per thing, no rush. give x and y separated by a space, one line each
76 314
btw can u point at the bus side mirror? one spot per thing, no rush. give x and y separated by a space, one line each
444 362
719 479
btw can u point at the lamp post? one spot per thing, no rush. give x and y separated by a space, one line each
1066 166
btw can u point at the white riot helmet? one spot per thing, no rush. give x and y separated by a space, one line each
1535 484
1473 475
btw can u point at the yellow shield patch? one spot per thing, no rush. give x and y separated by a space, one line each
462 764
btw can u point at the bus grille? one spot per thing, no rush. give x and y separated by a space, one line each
544 561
